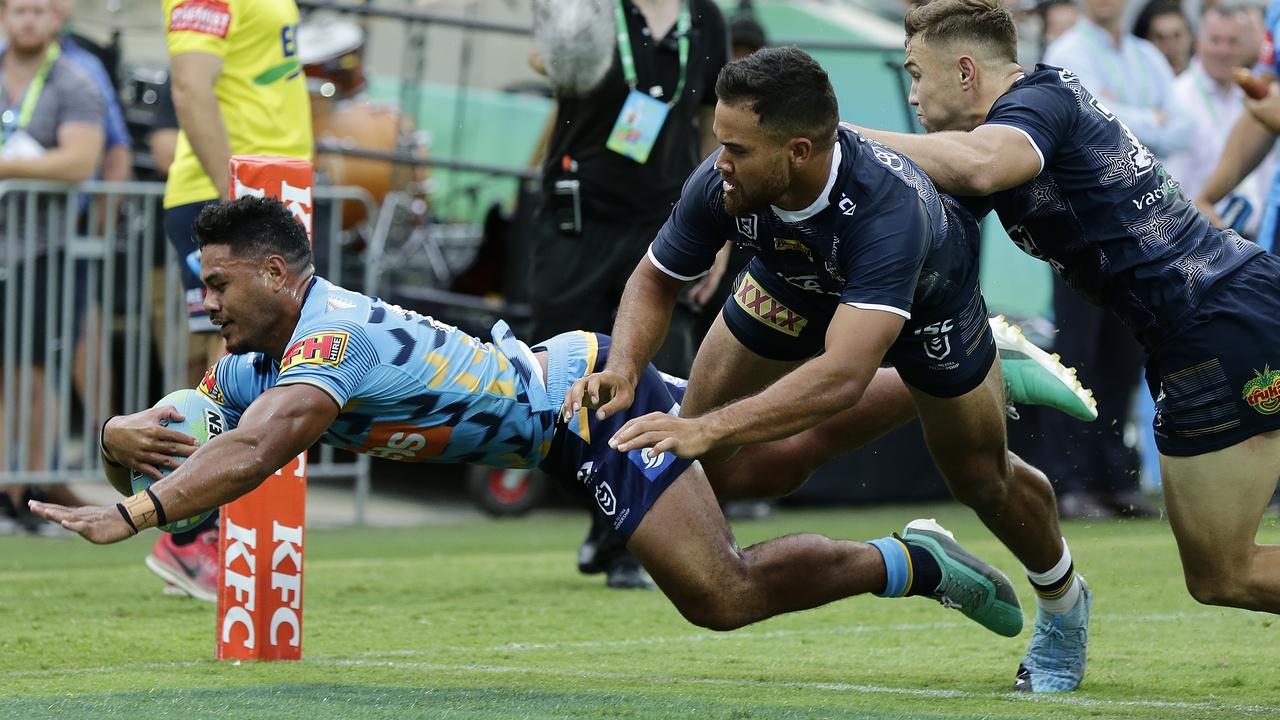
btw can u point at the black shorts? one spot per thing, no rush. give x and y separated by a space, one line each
623 486
1216 379
944 350
177 227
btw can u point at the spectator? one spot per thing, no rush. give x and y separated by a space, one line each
51 122
1127 73
746 35
1058 16
1045 22
1250 142
162 140
238 89
1256 25
1165 25
603 201
1207 94
117 158
1097 472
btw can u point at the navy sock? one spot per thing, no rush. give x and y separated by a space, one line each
927 575
909 569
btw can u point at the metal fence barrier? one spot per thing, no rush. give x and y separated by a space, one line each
93 321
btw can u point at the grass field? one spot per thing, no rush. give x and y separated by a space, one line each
490 620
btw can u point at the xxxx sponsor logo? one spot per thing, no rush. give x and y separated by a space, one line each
763 307
1263 391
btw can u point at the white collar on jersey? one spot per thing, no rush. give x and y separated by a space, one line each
824 199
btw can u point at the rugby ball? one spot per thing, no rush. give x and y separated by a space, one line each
204 421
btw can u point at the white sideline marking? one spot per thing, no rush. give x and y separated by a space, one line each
766 634
657 640
1057 699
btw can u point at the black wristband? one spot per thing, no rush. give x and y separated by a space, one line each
125 514
160 516
102 446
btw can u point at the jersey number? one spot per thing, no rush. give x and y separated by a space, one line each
1139 155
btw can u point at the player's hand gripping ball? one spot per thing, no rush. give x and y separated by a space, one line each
204 421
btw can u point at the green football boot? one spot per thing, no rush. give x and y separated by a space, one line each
969 585
1034 377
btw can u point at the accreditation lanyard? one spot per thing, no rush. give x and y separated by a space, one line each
683 23
1210 101
1106 53
30 98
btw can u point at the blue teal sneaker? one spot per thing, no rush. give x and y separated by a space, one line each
1055 659
974 587
1034 377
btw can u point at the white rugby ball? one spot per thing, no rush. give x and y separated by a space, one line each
204 421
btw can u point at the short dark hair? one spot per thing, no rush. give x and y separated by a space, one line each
787 89
970 22
746 31
256 227
1157 9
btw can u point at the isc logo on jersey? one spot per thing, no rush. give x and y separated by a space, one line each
209 17
325 348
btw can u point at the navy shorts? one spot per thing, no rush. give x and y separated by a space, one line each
944 350
622 486
1216 379
177 227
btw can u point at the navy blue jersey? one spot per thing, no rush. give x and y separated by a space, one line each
1104 213
880 236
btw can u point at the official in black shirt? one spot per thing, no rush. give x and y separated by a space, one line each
601 209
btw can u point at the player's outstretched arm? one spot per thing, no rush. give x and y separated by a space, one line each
644 316
279 425
985 160
856 342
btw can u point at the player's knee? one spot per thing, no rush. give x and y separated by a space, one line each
1207 589
719 606
713 615
1218 587
979 485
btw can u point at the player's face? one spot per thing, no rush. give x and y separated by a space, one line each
240 299
754 167
936 92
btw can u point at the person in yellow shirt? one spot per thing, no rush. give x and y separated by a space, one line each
238 88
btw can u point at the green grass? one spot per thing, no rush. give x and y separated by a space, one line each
490 620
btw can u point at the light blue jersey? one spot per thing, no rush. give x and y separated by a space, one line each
408 387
